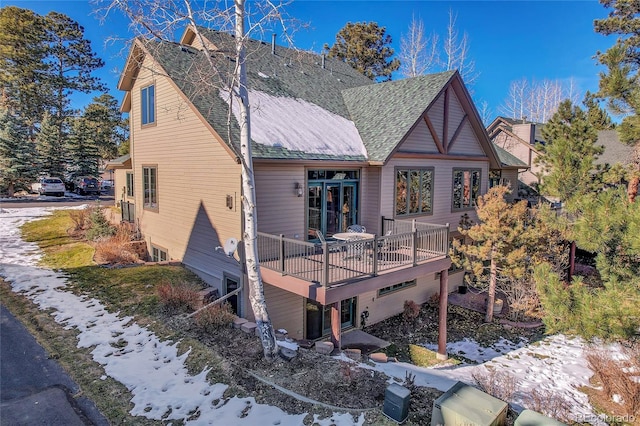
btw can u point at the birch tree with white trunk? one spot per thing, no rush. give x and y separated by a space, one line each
418 53
161 21
537 101
456 52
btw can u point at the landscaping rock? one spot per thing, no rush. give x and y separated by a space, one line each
237 323
355 354
249 327
378 357
287 353
324 348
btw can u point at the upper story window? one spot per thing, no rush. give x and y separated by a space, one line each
150 187
414 191
466 188
129 184
148 105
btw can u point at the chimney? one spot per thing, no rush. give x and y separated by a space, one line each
273 43
323 61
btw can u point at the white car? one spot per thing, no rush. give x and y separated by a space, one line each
51 186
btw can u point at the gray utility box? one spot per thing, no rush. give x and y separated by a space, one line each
396 402
465 405
532 418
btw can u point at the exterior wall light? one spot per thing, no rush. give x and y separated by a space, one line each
299 190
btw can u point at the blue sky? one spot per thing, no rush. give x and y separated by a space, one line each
509 40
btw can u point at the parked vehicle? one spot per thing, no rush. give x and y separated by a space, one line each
51 186
106 185
84 185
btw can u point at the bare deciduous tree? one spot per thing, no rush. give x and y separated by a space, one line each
513 106
160 21
537 101
456 52
418 53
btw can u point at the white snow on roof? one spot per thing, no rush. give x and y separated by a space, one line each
299 125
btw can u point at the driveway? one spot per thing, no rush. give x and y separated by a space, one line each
34 389
69 200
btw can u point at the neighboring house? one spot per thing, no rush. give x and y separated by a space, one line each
406 159
519 138
119 170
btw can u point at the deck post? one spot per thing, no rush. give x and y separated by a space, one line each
442 315
414 231
335 325
325 264
282 260
376 249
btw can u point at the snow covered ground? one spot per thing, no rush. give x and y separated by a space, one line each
162 388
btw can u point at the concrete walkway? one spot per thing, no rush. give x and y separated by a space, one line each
34 389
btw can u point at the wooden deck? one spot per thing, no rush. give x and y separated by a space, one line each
343 266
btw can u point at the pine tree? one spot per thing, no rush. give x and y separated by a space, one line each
105 122
495 250
609 225
569 154
620 83
597 116
82 149
366 47
17 153
23 50
51 153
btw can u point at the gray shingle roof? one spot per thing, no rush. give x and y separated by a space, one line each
385 112
288 72
614 150
507 159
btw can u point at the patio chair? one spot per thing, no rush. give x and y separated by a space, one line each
356 228
356 250
323 240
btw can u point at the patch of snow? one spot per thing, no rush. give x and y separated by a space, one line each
263 75
617 398
471 350
299 125
288 343
556 364
152 370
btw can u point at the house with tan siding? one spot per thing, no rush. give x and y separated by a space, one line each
404 159
519 138
517 143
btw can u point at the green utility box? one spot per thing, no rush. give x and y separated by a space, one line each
465 405
396 402
532 418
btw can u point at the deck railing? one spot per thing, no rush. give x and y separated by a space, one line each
333 263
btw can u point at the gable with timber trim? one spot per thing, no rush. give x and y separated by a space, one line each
444 129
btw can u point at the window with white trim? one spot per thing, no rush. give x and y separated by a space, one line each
129 184
158 254
150 187
148 105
